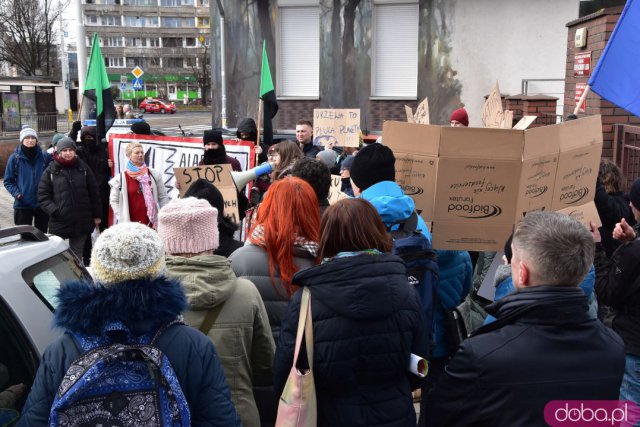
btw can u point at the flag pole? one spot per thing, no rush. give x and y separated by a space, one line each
80 109
582 99
259 127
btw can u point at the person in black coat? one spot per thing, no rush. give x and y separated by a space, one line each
367 321
203 189
68 193
543 345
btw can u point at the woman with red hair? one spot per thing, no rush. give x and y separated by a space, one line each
283 240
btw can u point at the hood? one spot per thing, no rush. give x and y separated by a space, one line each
207 279
86 307
358 287
248 126
502 272
390 202
550 304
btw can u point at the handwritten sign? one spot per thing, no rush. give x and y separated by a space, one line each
525 122
338 126
334 191
220 177
422 113
492 114
507 119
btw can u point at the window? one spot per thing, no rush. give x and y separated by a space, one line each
174 62
394 65
299 52
132 61
190 42
190 62
169 3
154 42
113 41
91 19
141 2
203 22
154 61
189 22
114 62
133 21
171 42
111 20
170 22
204 2
136 42
150 21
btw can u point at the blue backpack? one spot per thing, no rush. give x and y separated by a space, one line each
120 380
422 267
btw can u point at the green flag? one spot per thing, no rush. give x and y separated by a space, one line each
268 96
98 89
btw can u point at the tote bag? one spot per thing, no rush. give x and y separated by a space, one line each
297 406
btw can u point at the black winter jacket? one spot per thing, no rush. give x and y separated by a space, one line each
542 347
618 286
367 320
71 198
612 207
143 306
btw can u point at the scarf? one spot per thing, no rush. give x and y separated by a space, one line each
30 152
257 237
215 157
141 174
63 162
352 253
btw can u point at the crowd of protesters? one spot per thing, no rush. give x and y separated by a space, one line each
565 323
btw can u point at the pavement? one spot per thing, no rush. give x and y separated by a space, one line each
6 207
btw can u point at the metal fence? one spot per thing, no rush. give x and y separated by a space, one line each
626 151
41 122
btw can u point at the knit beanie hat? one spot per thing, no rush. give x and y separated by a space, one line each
66 142
127 251
56 138
634 193
347 163
212 135
141 128
27 131
328 157
460 115
373 164
90 130
188 226
203 189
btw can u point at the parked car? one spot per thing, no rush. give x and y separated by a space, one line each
156 105
33 265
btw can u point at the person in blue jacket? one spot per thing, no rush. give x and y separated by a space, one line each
373 178
132 288
21 178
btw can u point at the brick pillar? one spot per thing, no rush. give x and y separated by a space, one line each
542 106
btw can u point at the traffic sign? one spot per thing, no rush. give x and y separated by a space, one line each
123 79
137 84
137 72
123 86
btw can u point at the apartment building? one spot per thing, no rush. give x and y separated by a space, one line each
167 39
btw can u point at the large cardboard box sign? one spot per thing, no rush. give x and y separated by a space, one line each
340 127
334 190
475 184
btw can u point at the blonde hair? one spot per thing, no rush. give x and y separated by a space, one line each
130 147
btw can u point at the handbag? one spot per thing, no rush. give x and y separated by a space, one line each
297 406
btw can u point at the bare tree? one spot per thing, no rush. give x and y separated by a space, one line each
27 34
202 70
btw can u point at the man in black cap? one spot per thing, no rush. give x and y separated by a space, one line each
141 128
215 152
618 286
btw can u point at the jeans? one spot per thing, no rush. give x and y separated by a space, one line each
630 387
35 217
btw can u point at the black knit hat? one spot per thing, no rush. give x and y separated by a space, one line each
212 135
373 164
141 128
66 142
634 193
203 189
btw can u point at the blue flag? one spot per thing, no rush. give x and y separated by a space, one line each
616 77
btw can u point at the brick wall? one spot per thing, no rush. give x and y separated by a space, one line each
599 27
6 149
542 106
289 112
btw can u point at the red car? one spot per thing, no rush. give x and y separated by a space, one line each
155 105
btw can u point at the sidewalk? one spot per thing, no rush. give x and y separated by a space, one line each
6 207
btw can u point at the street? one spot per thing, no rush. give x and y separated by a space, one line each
195 122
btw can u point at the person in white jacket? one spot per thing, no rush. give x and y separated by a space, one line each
138 192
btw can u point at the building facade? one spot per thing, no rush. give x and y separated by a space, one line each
167 39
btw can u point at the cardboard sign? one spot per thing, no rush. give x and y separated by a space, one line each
339 126
492 114
422 113
218 176
334 191
475 184
525 122
586 214
507 119
409 112
582 64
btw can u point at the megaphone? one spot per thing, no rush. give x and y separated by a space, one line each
242 178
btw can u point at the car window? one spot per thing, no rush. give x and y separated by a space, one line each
45 277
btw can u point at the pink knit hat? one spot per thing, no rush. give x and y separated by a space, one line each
188 226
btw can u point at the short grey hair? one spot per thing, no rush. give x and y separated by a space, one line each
130 147
558 249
